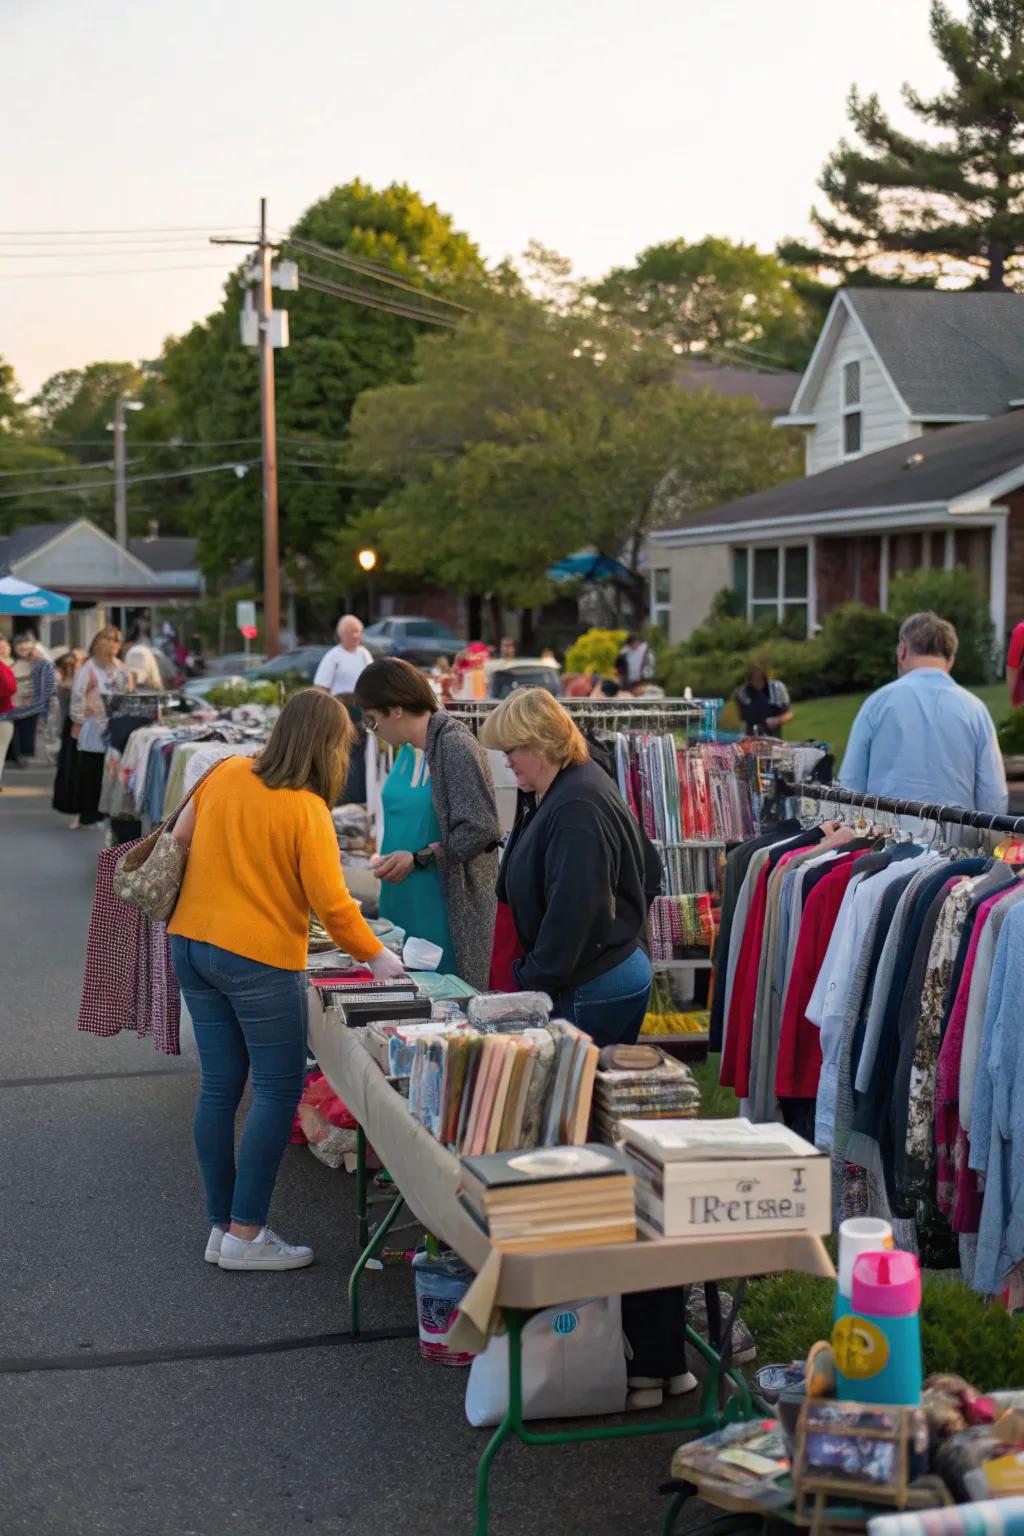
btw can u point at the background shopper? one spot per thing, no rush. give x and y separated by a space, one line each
338 674
574 873
33 672
8 688
441 827
65 748
100 675
262 854
924 737
763 703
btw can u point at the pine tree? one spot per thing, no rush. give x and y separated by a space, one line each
949 204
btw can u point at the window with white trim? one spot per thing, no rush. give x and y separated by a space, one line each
661 597
778 584
852 419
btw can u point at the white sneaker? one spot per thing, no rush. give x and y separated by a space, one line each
644 1392
217 1235
268 1251
678 1386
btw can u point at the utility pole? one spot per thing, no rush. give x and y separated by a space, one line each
120 489
268 432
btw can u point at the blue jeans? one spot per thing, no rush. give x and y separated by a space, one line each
611 1008
245 1015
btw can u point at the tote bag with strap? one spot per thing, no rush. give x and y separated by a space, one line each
149 875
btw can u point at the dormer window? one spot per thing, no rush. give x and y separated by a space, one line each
852 435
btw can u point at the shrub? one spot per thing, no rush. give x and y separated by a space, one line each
956 596
232 695
959 1332
1011 734
723 636
801 664
595 651
715 675
860 648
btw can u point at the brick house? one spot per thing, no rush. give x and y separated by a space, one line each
915 460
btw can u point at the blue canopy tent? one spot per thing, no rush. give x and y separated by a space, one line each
591 565
26 600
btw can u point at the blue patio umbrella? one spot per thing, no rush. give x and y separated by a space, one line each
590 565
23 598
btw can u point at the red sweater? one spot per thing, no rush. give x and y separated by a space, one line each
8 688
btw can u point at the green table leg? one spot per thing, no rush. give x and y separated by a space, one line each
707 1419
375 1242
362 1218
675 1505
512 1423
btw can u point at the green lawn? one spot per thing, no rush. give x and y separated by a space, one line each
830 719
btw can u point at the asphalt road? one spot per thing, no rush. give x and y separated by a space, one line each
124 1404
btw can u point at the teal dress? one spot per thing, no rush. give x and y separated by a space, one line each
410 823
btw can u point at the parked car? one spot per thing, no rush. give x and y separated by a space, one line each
504 677
420 641
200 687
234 663
302 661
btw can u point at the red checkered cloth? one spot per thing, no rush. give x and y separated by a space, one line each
129 981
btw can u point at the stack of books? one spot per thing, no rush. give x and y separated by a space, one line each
718 1177
361 997
641 1082
492 1093
551 1198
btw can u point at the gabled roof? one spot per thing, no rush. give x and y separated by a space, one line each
949 356
23 541
975 462
773 391
171 554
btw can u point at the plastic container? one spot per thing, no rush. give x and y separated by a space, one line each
441 1282
877 1346
421 955
857 1235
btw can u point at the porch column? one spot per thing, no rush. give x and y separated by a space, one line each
997 580
883 574
812 585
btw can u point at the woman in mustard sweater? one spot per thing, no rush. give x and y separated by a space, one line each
262 854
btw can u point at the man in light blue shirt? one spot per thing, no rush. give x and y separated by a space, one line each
924 737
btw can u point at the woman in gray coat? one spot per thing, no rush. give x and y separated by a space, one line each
439 859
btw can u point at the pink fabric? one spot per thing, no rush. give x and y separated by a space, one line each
957 1194
129 982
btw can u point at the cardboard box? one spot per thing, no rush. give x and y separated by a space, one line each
704 1199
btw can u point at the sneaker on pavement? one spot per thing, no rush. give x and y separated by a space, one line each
268 1251
213 1246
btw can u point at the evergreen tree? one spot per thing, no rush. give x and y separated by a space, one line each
946 204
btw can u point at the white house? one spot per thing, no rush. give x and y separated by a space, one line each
886 490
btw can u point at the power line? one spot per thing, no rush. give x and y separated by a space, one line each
370 269
167 474
58 253
142 229
207 266
56 469
374 301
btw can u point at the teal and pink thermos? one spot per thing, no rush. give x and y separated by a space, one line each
857 1235
877 1344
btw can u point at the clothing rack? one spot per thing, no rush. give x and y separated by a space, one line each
611 714
980 821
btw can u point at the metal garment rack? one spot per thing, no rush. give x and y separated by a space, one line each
835 794
612 714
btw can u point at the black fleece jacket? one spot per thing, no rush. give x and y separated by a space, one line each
578 878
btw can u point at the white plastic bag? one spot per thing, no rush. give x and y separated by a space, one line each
574 1365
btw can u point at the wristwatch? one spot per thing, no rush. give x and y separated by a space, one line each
424 858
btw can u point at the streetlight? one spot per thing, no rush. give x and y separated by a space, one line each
367 561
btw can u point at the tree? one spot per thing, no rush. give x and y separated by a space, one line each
22 455
337 350
530 434
74 407
728 301
942 206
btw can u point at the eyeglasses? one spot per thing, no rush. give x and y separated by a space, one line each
370 722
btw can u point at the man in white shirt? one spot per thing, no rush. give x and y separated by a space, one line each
344 663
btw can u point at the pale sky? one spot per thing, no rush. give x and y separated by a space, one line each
597 128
